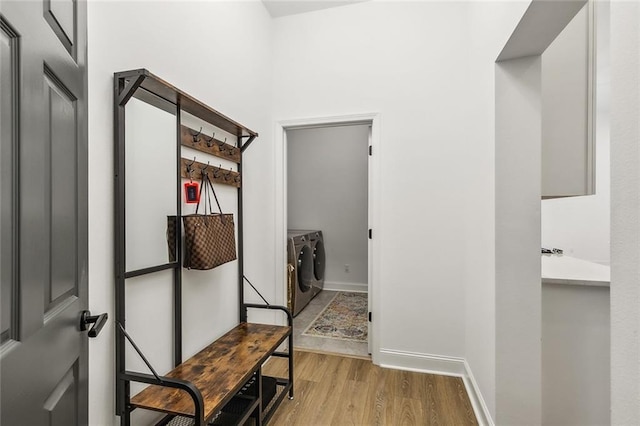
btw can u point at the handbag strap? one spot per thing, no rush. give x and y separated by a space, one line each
214 195
206 198
205 176
206 182
210 184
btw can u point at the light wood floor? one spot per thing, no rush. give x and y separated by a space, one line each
338 390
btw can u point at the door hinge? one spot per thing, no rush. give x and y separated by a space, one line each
369 316
370 234
370 149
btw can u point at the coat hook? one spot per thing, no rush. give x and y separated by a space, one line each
227 175
190 169
195 136
231 150
220 143
203 169
216 172
209 141
237 178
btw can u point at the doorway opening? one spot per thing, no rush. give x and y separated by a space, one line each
326 218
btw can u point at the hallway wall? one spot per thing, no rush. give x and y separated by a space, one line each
625 211
406 61
427 68
204 49
490 25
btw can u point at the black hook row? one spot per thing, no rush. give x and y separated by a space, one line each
217 173
227 175
211 141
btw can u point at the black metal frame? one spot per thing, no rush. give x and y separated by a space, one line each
159 93
289 355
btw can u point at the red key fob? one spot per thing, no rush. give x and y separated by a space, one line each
191 192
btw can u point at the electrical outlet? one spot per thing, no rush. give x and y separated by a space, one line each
346 268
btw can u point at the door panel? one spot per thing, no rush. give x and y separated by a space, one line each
61 141
61 17
61 403
9 73
44 363
38 365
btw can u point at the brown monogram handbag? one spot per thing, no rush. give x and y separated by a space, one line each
209 238
172 224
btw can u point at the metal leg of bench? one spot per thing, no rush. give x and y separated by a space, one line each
291 365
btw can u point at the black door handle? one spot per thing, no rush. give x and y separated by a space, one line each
98 322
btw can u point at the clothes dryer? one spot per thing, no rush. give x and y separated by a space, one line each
319 260
300 271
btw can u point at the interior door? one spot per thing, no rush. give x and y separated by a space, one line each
44 212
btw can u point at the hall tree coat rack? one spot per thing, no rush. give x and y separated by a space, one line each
223 383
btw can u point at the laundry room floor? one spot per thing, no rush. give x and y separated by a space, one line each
323 344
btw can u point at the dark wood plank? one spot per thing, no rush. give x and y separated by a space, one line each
208 144
218 371
217 174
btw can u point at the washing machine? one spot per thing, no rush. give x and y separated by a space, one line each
301 278
306 267
319 260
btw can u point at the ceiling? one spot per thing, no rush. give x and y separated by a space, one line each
279 8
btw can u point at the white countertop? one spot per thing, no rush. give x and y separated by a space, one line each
561 269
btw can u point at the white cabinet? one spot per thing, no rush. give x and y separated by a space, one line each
568 76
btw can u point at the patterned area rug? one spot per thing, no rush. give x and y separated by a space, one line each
345 318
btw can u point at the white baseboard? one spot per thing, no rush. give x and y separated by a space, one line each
353 287
443 365
477 401
422 363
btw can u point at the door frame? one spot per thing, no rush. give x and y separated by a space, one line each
281 199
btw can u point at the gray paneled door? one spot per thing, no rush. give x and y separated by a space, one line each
43 208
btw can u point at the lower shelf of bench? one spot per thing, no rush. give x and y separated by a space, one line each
218 371
223 417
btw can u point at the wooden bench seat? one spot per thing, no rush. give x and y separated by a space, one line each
218 371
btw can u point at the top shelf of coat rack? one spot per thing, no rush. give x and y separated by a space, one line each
153 84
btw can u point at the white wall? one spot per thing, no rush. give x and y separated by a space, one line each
517 286
327 190
580 225
205 49
406 61
428 69
625 211
490 25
